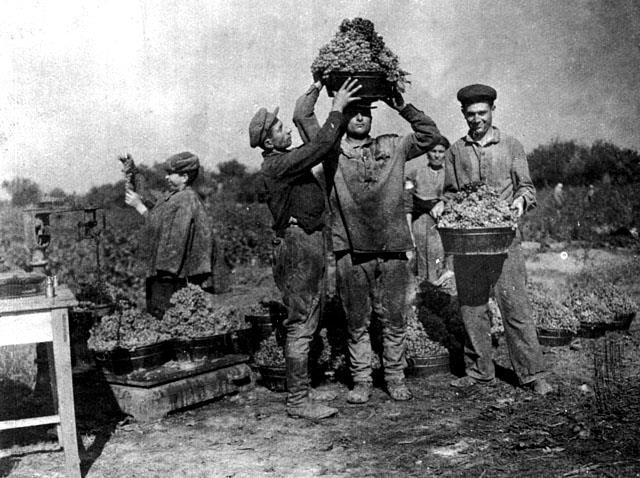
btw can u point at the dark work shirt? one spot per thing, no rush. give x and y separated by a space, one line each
293 190
498 160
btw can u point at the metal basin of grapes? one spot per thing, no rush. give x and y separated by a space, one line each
477 241
374 85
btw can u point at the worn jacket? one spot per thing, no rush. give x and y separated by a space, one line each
179 235
366 186
293 191
499 162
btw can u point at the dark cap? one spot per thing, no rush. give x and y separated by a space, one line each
476 94
362 106
182 163
260 125
441 140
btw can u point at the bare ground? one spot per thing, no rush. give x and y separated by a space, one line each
487 432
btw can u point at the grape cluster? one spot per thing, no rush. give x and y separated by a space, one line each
594 300
418 342
477 206
196 313
358 48
128 328
549 313
270 353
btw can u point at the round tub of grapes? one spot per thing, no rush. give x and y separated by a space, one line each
373 84
476 241
477 221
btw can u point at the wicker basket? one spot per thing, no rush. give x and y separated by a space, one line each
476 242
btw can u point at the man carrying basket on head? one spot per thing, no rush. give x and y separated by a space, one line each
370 234
487 154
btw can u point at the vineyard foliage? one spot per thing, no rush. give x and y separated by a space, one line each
235 199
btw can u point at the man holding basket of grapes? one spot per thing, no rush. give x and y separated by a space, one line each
487 155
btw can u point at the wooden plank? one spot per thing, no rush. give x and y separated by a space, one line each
66 409
29 422
64 298
174 370
25 328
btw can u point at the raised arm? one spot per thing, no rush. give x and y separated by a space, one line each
424 128
300 160
304 117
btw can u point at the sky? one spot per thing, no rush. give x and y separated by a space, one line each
84 81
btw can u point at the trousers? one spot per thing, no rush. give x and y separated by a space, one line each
298 269
505 274
372 285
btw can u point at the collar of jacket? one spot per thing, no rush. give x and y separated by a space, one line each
169 194
492 137
349 150
273 152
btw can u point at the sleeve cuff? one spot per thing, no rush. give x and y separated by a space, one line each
336 117
409 111
313 90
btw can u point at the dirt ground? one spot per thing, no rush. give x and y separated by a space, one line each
500 431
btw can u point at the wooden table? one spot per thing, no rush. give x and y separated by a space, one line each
40 319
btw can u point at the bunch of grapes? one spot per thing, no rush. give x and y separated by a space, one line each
477 206
418 342
270 353
595 300
357 48
196 313
549 313
128 329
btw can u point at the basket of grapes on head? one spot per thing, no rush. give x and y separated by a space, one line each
476 221
357 51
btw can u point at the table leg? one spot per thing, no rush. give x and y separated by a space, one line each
53 385
64 385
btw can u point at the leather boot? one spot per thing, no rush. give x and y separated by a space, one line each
310 410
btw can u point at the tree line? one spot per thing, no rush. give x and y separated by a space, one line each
558 161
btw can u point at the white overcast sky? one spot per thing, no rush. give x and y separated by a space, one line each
82 81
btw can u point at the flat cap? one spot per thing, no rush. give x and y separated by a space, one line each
260 125
476 93
364 106
182 163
